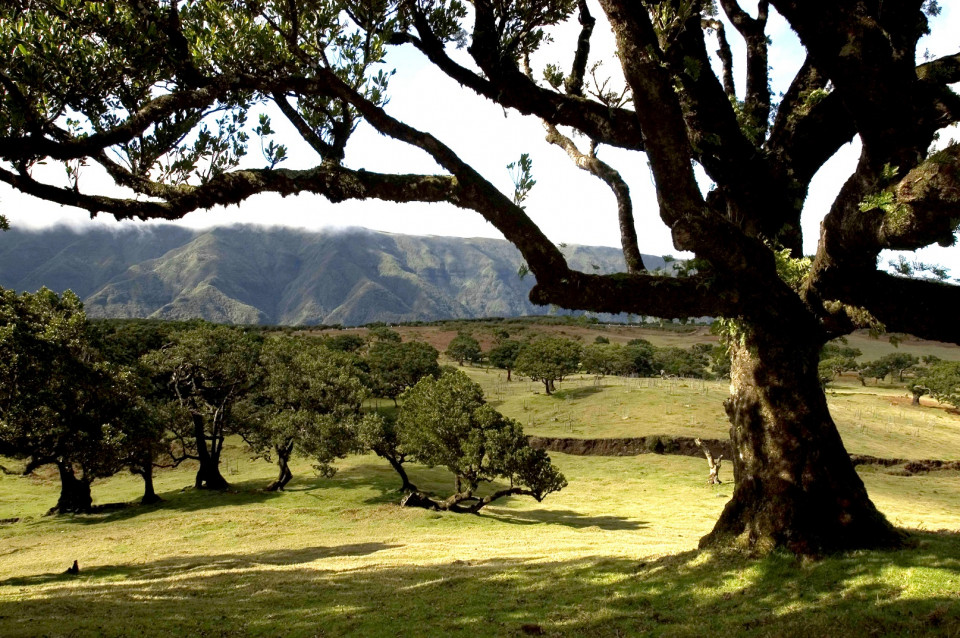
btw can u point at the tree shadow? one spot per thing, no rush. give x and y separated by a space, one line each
568 518
572 394
187 499
185 565
687 594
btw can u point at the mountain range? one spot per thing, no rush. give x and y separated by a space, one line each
271 275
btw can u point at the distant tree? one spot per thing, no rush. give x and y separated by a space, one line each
209 369
384 334
681 362
308 400
504 355
602 359
898 363
601 339
463 347
548 359
60 402
345 343
642 353
394 367
942 379
446 422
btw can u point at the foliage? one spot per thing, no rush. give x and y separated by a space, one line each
504 354
308 400
447 422
464 347
394 367
602 359
209 369
680 362
60 402
942 379
548 359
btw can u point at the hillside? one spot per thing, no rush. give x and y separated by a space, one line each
248 274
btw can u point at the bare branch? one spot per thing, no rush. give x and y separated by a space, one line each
594 166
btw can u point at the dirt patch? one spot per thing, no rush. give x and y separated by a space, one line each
654 444
686 446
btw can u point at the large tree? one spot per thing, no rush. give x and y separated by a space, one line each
157 93
60 403
209 370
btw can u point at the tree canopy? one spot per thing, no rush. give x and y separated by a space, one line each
167 97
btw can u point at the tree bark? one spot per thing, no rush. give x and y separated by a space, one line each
283 461
795 486
149 494
74 492
396 464
208 474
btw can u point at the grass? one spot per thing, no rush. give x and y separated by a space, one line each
614 554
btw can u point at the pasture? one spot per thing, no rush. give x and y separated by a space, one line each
613 554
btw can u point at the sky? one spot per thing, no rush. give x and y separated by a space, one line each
568 204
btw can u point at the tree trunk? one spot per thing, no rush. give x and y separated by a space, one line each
795 486
208 474
397 465
283 461
546 384
508 375
149 495
74 492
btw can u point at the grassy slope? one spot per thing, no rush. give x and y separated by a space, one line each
613 554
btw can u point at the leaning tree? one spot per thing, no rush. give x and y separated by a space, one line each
158 94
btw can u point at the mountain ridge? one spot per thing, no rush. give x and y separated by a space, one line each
250 274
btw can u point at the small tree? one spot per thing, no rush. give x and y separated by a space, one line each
942 379
378 433
602 359
548 360
447 422
394 367
209 369
60 403
899 363
504 355
309 400
462 348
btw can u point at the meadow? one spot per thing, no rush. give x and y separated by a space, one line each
613 554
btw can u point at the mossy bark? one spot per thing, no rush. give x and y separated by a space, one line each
74 492
795 486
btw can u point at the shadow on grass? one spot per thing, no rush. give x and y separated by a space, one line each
572 394
187 499
906 593
568 518
184 565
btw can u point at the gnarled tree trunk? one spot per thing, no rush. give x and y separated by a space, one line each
208 474
795 486
283 461
74 492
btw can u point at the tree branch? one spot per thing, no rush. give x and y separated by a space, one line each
574 83
593 165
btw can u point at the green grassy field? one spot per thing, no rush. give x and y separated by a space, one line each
614 554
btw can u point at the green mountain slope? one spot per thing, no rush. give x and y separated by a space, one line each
248 274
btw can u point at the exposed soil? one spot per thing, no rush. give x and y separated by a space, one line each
686 446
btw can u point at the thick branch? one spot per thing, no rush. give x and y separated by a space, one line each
593 165
511 89
574 83
726 56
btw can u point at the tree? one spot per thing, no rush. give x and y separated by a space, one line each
394 366
308 400
680 362
60 402
447 422
898 363
548 359
606 358
209 369
462 348
504 355
161 103
642 353
378 433
942 381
